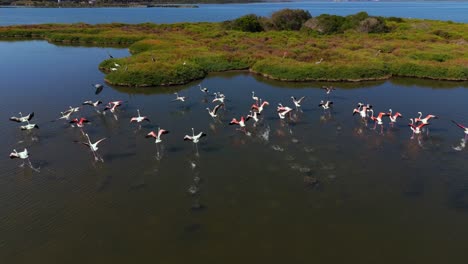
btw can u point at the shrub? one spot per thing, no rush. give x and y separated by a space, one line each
329 24
372 25
247 23
290 19
395 19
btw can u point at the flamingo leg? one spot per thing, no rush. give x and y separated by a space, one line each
381 129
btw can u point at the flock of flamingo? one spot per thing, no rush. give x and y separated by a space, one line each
365 111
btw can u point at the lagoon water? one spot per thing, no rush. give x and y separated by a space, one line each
445 10
323 187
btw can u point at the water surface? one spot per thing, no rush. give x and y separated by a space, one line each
445 10
320 188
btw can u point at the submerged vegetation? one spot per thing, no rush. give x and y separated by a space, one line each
291 45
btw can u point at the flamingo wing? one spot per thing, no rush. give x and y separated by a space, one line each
99 141
151 134
459 125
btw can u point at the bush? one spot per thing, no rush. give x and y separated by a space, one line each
289 19
247 23
372 25
329 24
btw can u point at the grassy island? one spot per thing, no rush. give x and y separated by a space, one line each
290 46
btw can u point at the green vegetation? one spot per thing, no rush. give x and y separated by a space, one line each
327 48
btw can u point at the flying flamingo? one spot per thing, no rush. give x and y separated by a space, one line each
139 118
362 110
378 120
465 129
93 147
325 105
112 106
393 118
203 89
259 108
283 111
23 155
416 129
194 138
80 122
157 136
328 89
297 102
179 98
29 126
91 103
22 119
253 115
213 113
219 98
424 120
98 88
240 122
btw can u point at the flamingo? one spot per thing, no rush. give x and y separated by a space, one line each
112 106
93 146
194 138
22 119
157 136
465 129
416 129
325 105
98 88
179 98
259 108
80 122
378 119
29 126
253 115
328 89
283 110
297 102
240 122
362 110
255 98
91 103
203 89
219 98
139 118
113 69
320 61
23 155
19 155
393 118
213 113
424 120
66 115
116 65
72 110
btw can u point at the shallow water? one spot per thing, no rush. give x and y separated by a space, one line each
322 187
440 10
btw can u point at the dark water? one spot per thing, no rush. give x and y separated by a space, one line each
322 188
455 11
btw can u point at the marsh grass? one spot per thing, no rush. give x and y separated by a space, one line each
168 54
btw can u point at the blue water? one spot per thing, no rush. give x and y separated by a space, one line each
455 11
